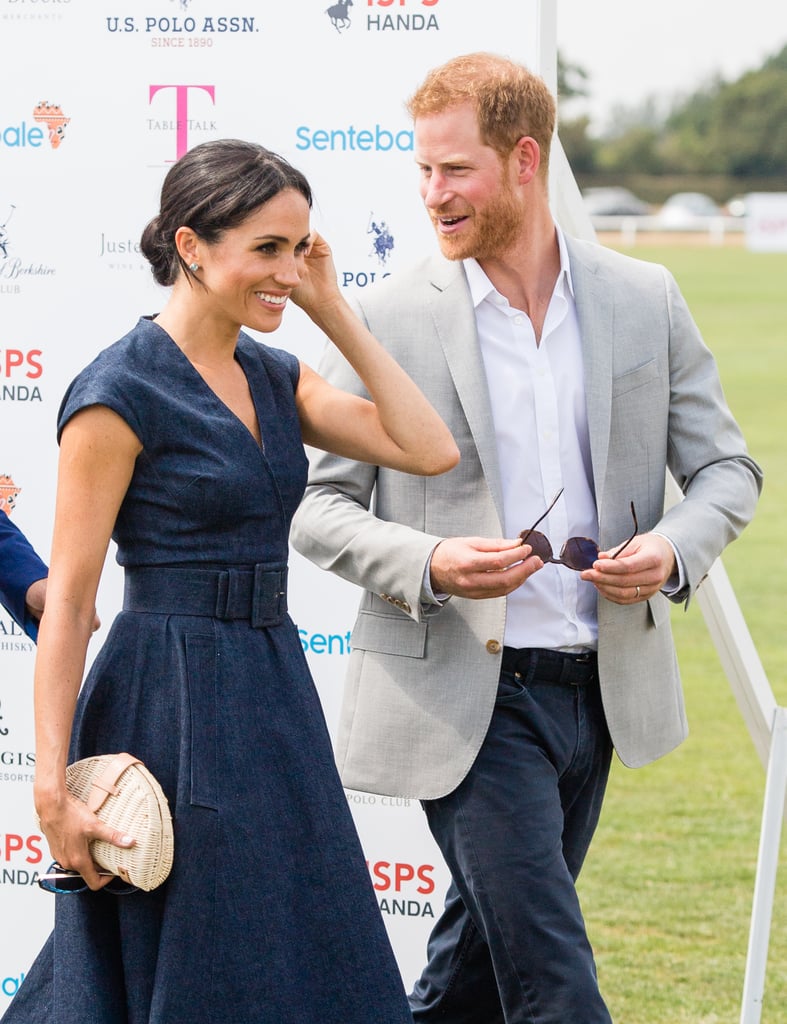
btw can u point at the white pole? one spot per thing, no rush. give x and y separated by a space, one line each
767 864
547 39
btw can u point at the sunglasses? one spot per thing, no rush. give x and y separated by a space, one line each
60 880
578 553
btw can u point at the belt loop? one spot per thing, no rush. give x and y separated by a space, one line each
222 594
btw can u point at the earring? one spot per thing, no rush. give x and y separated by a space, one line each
194 267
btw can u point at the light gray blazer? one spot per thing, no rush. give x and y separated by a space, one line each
422 681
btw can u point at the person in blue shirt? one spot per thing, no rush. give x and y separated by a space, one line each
23 578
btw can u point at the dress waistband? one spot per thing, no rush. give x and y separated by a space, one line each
257 593
556 667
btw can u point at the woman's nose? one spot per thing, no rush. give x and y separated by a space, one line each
289 272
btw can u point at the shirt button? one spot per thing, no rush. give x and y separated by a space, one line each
493 646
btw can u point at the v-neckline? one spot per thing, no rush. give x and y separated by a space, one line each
237 355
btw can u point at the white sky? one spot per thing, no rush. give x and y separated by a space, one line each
634 49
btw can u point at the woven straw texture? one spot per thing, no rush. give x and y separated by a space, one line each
136 806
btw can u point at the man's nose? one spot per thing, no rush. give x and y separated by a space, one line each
436 192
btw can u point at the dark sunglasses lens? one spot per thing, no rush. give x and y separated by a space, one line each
579 553
62 883
539 543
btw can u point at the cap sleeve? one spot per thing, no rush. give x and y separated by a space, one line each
107 381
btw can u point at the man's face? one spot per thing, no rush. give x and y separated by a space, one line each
467 190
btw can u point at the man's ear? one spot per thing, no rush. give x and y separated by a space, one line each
527 154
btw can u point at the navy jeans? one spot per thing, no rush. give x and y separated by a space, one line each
511 946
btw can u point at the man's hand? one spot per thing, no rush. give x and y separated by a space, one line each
637 574
35 599
477 567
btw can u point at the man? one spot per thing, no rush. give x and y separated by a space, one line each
485 680
22 578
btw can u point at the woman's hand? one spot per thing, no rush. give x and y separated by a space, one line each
69 827
318 291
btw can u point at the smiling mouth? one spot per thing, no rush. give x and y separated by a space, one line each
275 300
449 222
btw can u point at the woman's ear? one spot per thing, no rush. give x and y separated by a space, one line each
187 244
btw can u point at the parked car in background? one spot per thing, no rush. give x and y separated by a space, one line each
737 206
614 201
688 210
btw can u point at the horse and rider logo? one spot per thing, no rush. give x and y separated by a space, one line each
4 233
383 242
340 15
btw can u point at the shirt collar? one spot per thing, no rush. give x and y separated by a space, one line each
482 288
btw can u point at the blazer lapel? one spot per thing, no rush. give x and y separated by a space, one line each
595 311
455 326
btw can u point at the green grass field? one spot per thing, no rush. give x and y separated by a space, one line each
667 888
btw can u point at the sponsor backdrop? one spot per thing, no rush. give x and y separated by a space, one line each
99 100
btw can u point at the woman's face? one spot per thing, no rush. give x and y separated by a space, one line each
251 271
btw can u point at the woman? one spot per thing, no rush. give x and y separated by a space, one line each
183 441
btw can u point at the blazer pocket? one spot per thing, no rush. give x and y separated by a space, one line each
388 634
639 377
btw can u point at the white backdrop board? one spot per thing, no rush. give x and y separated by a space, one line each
766 222
98 100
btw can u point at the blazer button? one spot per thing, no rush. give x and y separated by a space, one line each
493 646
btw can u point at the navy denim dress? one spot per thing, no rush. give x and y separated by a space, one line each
268 916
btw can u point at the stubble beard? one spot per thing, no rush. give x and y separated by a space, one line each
494 231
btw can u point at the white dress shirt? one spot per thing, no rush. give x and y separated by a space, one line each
537 396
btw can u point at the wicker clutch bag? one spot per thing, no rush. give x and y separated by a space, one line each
120 790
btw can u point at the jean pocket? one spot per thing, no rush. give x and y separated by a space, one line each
511 686
201 673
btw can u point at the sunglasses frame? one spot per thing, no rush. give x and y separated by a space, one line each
525 534
56 871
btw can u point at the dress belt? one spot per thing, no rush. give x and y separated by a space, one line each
555 667
257 593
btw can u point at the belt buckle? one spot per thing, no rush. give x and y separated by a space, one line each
269 597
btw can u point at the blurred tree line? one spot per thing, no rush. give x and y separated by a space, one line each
724 139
